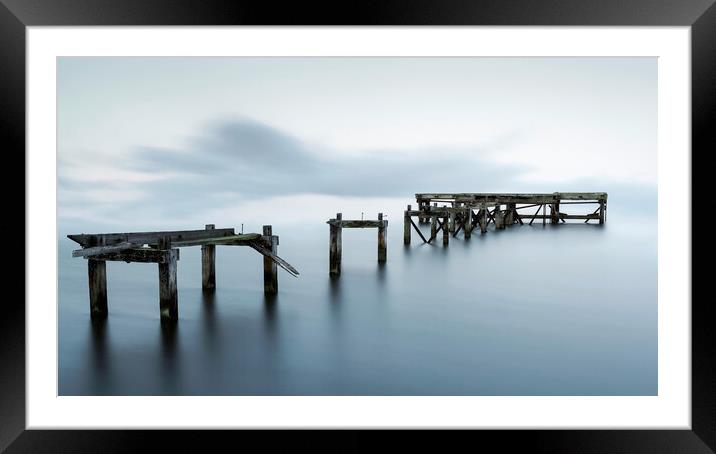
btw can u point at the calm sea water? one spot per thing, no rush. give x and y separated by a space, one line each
555 310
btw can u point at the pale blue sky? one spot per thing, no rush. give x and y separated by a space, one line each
154 141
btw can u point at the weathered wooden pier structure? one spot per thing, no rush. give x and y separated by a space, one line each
163 248
467 211
336 238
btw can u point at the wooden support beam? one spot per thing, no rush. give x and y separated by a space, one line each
150 238
419 232
499 218
139 255
509 217
446 231
602 211
382 244
451 222
433 227
406 226
491 215
168 300
544 215
483 219
467 224
535 215
208 264
356 224
553 213
228 240
270 268
97 271
261 247
557 209
594 213
335 245
460 226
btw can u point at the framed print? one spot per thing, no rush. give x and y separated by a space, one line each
404 218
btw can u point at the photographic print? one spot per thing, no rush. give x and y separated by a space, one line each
358 226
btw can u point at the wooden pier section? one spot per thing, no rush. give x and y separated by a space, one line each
467 211
336 238
163 248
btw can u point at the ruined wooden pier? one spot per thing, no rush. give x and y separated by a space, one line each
467 211
336 238
163 248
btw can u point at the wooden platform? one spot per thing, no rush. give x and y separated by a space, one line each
467 211
337 225
162 248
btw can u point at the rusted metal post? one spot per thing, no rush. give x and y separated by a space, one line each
270 267
335 247
208 264
168 301
382 245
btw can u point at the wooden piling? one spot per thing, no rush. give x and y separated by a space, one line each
208 264
510 214
382 245
468 223
451 222
406 226
97 271
168 301
446 232
483 219
423 207
601 211
335 247
544 214
270 267
499 218
553 213
433 226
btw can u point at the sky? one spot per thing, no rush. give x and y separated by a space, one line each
158 142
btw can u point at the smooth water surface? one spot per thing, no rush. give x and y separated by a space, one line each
531 310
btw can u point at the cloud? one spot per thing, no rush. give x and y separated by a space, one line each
235 161
250 159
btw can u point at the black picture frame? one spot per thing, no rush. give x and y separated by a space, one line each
16 15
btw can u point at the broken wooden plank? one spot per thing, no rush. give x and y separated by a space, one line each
90 251
279 261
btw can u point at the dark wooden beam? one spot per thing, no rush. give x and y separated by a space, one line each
141 255
356 223
151 238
